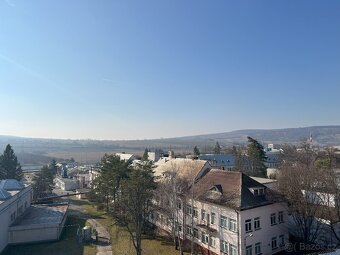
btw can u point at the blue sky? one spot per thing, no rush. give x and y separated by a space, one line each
149 69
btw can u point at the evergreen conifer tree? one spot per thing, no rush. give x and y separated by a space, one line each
196 151
145 155
9 165
217 149
257 158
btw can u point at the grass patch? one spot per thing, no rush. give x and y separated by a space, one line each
120 238
67 245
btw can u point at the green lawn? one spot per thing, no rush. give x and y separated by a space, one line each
68 244
121 241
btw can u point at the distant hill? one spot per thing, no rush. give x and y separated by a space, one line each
322 135
34 150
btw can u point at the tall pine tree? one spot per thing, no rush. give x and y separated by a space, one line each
9 165
53 167
196 151
217 149
43 182
145 155
257 158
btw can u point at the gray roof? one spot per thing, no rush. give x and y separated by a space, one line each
4 195
227 160
11 185
233 189
43 214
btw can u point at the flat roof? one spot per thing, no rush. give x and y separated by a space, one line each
263 180
43 214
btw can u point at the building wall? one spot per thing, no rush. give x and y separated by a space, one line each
214 231
26 234
239 238
10 207
67 184
267 231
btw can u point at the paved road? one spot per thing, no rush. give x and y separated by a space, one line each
104 245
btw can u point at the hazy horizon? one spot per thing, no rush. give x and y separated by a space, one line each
170 137
124 70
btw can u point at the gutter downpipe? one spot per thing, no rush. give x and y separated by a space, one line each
238 233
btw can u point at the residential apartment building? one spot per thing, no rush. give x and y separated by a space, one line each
230 213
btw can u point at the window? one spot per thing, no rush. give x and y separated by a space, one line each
224 246
224 222
274 243
282 240
261 192
212 242
280 217
232 249
195 212
248 226
192 211
257 224
257 248
189 209
195 232
179 204
256 192
12 216
232 225
249 250
202 214
273 219
212 220
205 238
189 230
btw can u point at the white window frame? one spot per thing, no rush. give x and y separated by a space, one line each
258 248
280 216
274 241
257 223
232 224
248 225
273 219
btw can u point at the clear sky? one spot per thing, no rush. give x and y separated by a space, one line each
149 69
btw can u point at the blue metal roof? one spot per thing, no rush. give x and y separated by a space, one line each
11 184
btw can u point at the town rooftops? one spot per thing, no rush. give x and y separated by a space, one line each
232 189
185 168
11 185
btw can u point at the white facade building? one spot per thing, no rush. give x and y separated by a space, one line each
231 214
15 199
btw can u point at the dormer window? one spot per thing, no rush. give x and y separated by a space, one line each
257 191
217 188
